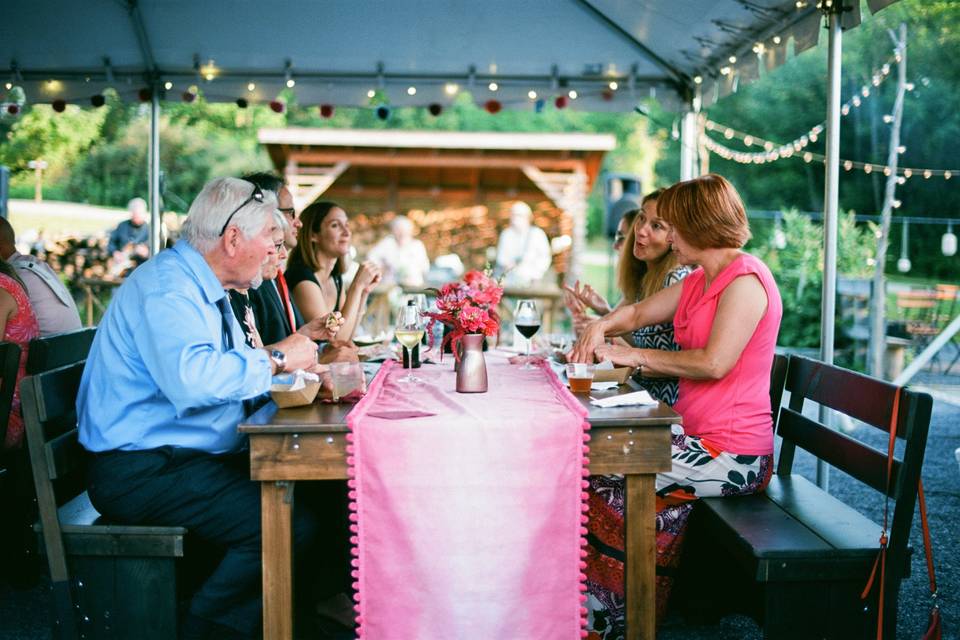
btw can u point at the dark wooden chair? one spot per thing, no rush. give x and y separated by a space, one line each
59 349
108 580
797 558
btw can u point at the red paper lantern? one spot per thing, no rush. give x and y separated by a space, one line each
188 96
13 109
326 111
607 95
492 106
435 109
277 106
242 103
59 105
560 102
383 112
145 95
98 100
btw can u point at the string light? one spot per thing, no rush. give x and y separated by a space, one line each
493 86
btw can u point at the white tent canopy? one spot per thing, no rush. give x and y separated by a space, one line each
337 51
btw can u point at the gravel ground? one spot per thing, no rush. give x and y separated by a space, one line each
24 613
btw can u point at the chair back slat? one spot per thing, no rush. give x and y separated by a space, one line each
778 378
859 396
64 455
60 349
839 450
57 395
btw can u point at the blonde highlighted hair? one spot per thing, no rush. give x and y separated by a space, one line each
636 279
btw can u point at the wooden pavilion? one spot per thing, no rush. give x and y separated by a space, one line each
456 186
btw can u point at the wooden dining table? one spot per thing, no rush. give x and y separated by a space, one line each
309 443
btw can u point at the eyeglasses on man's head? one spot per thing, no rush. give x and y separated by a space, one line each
256 195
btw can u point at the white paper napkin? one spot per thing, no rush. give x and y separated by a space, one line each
627 399
603 386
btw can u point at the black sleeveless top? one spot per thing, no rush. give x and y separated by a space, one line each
298 272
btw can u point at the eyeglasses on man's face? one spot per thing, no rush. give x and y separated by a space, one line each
256 195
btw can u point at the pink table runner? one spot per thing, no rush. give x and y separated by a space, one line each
468 521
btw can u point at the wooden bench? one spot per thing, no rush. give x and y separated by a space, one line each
796 558
108 580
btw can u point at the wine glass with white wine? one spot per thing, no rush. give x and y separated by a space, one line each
409 331
526 319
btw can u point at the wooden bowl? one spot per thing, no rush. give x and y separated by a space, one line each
284 398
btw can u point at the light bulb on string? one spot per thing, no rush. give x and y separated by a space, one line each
948 243
903 264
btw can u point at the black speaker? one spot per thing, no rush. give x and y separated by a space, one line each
4 190
621 193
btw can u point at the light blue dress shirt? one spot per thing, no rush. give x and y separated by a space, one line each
160 371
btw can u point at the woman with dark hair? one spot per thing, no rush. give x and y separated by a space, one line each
726 316
315 269
17 324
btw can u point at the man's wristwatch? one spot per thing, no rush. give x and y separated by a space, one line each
279 358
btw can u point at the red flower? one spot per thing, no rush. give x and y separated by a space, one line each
468 307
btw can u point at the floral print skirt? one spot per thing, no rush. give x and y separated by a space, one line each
699 470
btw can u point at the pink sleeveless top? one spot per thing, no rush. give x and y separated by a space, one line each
732 413
21 328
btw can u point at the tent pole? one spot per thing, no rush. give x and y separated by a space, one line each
154 171
830 201
689 142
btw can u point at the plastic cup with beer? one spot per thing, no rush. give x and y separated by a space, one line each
580 376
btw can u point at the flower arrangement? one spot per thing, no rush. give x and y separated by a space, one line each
467 307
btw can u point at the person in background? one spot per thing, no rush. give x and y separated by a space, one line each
579 299
402 258
17 325
315 269
523 251
53 306
163 391
726 316
131 238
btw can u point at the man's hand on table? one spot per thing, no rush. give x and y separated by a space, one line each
300 352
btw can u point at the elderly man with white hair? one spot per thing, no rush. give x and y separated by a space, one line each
401 256
165 386
523 252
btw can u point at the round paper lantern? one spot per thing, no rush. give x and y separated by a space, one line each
13 109
98 100
188 96
59 105
435 109
607 95
277 106
326 111
903 265
145 94
538 105
560 102
492 106
383 112
242 103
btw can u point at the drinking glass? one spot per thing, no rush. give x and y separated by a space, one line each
409 331
346 377
526 319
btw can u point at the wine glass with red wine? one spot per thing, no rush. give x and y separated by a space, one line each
526 319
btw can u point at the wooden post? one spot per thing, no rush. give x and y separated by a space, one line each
277 530
640 543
